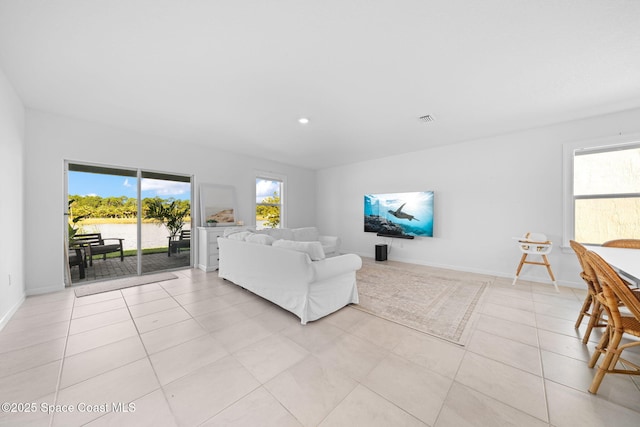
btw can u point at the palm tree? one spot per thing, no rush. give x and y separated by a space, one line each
168 213
73 227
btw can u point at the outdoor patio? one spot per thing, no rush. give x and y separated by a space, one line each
112 268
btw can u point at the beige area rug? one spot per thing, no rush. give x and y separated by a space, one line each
127 282
431 300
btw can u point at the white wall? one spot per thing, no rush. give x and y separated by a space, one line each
52 139
486 192
12 123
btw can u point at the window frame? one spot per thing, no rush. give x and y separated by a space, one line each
620 142
270 176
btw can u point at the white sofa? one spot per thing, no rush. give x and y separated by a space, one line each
288 277
330 244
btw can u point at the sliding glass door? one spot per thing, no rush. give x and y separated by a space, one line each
120 221
166 224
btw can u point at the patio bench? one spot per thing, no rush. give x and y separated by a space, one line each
183 241
76 258
94 244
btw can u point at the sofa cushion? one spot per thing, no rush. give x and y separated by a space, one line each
232 230
280 233
313 249
305 234
240 235
262 239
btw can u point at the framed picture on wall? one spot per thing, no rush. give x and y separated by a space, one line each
217 205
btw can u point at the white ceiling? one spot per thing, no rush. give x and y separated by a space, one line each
237 74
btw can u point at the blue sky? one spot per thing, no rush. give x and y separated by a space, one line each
266 188
85 184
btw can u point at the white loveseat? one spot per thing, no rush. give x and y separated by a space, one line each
288 277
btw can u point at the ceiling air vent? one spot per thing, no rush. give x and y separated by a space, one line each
427 119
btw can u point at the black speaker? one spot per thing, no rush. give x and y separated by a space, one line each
381 252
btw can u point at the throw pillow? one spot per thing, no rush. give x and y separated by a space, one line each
313 249
240 235
229 231
262 239
281 233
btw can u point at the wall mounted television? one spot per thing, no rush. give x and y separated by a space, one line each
405 215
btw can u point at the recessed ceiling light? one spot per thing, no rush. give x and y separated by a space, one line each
303 120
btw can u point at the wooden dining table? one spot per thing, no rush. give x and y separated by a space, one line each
625 261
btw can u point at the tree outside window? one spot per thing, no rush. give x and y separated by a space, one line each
268 203
606 194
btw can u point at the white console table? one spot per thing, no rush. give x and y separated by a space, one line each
208 247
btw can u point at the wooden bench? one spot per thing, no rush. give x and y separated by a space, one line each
94 244
183 241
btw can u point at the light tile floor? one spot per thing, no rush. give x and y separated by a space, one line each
201 351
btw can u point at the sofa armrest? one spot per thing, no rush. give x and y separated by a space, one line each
335 266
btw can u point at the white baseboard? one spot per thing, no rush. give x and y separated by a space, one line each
5 319
45 290
206 269
566 283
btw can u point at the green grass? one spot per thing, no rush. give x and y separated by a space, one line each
133 252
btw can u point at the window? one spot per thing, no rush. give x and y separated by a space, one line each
269 202
605 193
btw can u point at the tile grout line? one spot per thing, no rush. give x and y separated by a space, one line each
386 353
278 400
146 355
208 333
467 351
474 328
161 388
544 380
230 354
66 342
64 352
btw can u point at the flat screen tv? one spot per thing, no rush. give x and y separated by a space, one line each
399 214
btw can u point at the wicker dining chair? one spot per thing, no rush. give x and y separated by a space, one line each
614 292
591 307
623 243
